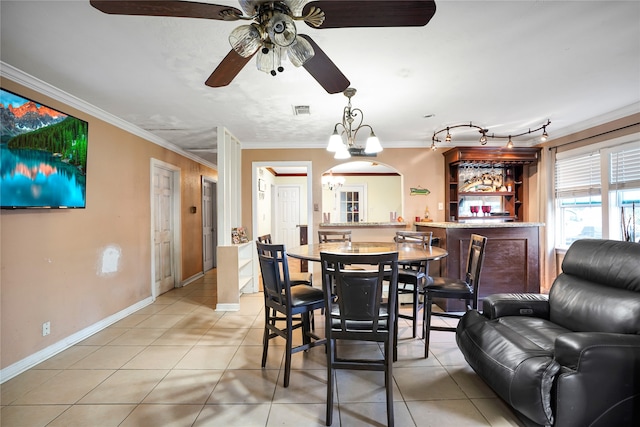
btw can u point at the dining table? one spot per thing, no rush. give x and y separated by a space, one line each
407 253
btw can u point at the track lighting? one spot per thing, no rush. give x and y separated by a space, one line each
545 135
485 134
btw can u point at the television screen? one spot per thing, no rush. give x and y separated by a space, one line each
43 155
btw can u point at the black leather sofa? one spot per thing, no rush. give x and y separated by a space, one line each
572 358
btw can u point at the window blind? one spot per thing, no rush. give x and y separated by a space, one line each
578 176
625 169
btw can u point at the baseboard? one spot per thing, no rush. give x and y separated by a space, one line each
30 361
192 279
228 307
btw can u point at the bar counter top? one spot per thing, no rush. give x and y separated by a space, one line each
363 224
480 223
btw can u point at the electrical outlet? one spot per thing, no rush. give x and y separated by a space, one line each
46 328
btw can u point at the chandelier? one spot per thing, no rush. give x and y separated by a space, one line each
332 183
343 149
273 35
485 134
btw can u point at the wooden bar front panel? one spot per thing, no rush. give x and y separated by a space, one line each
511 262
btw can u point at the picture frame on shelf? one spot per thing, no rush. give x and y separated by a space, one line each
242 234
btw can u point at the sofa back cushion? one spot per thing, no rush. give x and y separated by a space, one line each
599 289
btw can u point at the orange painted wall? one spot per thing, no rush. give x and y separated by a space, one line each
50 259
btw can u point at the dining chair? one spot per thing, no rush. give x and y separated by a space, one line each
280 298
328 236
297 278
412 276
466 289
357 310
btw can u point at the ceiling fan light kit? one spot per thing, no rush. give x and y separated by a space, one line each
273 35
484 134
345 149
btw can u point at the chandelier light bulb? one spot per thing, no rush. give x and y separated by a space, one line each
335 142
373 144
342 153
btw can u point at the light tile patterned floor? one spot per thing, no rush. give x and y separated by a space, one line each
180 363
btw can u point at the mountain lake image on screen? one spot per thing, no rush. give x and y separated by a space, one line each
43 155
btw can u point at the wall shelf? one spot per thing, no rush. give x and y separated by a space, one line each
237 273
512 163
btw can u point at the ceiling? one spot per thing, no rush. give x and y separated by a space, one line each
505 65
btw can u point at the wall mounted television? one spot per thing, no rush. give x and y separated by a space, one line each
43 155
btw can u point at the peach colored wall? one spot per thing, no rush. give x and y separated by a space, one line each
418 166
50 258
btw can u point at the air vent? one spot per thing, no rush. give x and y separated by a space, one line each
301 110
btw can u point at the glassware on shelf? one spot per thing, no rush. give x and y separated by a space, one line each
486 209
474 210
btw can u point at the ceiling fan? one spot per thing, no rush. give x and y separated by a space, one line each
272 33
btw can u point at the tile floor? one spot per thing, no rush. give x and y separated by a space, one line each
179 363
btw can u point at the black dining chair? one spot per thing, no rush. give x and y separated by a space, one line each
466 289
330 236
297 278
280 298
412 276
357 310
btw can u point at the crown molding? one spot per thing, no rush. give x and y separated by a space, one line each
18 76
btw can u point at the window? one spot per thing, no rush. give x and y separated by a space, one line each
578 198
351 203
624 193
597 194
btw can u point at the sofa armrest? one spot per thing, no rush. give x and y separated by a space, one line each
598 380
531 305
574 349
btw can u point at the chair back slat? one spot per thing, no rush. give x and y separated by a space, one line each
265 239
329 236
422 238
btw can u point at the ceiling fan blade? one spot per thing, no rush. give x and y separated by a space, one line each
324 70
227 70
184 9
373 13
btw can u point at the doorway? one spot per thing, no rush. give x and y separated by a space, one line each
165 227
264 207
209 224
286 218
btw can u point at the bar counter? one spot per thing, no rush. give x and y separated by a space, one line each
368 231
511 261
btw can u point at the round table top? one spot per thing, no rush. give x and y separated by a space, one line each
406 252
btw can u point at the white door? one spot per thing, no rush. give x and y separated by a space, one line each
287 216
163 235
208 225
